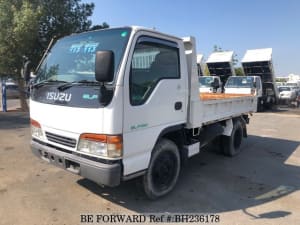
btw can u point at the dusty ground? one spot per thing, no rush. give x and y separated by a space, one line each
259 186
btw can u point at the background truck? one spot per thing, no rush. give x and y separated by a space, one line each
116 104
210 84
294 84
221 64
287 94
250 85
258 62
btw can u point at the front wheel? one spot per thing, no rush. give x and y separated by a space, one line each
163 170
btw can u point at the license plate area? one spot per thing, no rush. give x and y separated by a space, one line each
73 167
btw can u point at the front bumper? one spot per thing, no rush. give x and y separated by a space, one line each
101 173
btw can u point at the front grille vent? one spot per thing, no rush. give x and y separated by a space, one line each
70 142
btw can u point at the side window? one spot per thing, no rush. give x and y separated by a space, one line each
151 63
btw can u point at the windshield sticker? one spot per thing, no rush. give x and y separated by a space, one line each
84 48
124 34
75 48
89 97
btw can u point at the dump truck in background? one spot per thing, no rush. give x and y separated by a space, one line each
258 62
221 64
245 85
210 84
207 84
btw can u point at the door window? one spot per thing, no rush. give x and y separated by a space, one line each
151 63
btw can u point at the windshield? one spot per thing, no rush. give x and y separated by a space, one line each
205 81
239 82
280 89
73 58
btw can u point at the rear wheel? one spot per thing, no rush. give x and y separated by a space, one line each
163 170
260 105
232 144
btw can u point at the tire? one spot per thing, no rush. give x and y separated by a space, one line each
216 145
260 106
163 170
232 144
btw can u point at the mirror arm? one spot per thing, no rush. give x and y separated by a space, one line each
105 94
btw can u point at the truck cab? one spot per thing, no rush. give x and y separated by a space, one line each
244 85
294 84
249 85
210 84
115 104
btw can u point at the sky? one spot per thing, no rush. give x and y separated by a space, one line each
231 24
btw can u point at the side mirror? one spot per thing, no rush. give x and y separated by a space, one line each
104 66
215 84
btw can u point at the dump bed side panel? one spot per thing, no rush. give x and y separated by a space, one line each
213 110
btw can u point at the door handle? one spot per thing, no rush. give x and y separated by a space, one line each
178 105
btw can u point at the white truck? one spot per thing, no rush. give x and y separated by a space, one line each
250 85
294 84
115 104
287 94
258 62
210 84
221 64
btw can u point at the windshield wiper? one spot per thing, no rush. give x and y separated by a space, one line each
80 82
44 82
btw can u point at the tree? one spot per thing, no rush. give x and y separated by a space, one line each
19 23
239 71
206 70
28 26
217 49
102 26
61 18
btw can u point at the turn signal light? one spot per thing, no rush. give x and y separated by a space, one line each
35 123
101 144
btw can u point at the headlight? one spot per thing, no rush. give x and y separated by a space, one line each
101 145
36 130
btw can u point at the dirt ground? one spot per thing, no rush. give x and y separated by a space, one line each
259 186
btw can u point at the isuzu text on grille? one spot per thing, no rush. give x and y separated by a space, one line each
66 97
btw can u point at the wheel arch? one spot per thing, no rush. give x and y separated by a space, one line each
177 135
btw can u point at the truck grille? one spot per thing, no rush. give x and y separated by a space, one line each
70 142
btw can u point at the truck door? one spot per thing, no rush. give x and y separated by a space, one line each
154 98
